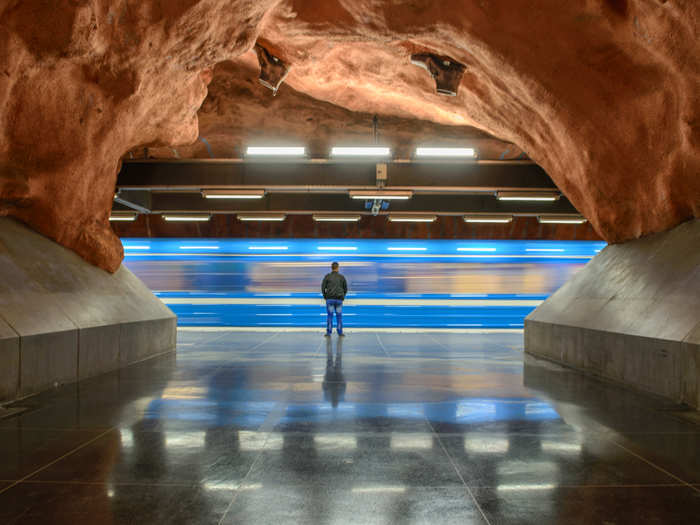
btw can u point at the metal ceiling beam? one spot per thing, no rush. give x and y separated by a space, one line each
329 176
320 203
138 200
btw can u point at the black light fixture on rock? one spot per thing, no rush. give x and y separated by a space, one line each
446 71
272 70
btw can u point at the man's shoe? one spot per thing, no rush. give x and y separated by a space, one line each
341 335
326 334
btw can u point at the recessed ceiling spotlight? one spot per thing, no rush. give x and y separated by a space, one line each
364 151
446 152
233 194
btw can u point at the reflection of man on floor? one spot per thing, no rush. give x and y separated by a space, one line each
334 288
334 382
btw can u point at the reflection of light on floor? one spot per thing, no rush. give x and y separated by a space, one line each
215 485
544 470
127 438
526 486
411 441
185 439
566 448
335 441
184 392
363 490
485 445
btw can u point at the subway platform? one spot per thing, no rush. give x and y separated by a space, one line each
290 427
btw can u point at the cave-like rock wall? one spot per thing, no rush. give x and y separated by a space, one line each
240 111
602 93
82 81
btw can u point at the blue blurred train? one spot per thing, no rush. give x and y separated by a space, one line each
393 283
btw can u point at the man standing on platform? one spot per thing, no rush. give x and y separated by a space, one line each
334 289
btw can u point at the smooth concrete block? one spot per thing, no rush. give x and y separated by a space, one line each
48 359
631 315
143 339
52 299
98 350
9 362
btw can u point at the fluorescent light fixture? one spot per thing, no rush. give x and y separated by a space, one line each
363 151
561 219
198 247
279 151
337 248
384 195
336 218
445 152
186 218
461 249
233 194
275 248
406 248
501 219
412 218
123 217
544 249
136 247
254 217
527 196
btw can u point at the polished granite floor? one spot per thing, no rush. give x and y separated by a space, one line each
375 428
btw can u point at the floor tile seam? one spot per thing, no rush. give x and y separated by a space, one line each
654 465
56 460
242 481
386 352
438 342
459 475
254 347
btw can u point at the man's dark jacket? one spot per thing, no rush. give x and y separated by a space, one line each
334 286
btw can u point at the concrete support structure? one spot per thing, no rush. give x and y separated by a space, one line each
63 320
632 315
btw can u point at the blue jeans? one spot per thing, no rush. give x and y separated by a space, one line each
334 305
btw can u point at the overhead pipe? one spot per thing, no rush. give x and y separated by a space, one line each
446 71
273 70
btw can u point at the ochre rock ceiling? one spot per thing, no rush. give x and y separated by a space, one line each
603 94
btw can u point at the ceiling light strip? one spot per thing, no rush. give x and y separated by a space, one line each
186 218
446 152
527 196
383 195
268 218
363 151
412 218
336 218
279 151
